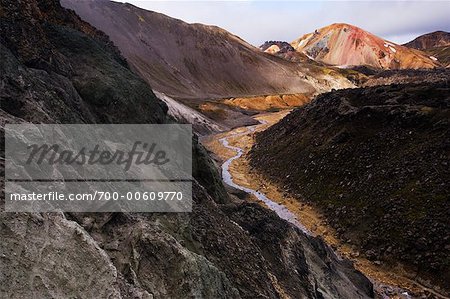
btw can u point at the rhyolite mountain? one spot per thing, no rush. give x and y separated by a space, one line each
345 45
186 61
55 68
430 40
376 161
436 44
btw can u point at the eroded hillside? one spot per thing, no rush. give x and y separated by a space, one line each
376 162
187 61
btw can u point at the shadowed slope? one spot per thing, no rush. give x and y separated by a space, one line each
430 40
197 61
376 161
435 44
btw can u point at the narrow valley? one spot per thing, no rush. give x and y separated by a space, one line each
299 158
231 149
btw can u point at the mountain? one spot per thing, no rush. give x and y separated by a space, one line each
435 44
430 40
68 73
55 68
376 162
195 61
276 47
346 45
286 51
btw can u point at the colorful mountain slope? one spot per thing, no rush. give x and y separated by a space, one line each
436 44
347 45
430 40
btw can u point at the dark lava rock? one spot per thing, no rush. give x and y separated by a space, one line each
387 77
376 161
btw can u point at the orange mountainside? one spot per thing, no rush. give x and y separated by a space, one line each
345 45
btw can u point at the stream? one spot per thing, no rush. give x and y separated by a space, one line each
281 210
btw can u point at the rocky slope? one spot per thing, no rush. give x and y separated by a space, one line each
347 45
57 69
376 162
436 44
387 77
430 40
198 61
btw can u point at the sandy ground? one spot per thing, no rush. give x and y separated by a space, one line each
308 215
264 103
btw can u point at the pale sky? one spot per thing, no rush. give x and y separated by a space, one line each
258 21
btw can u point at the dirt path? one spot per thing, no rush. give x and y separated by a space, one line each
232 148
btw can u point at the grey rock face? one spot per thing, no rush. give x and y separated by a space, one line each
51 257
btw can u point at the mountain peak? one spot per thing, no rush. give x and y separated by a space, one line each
430 40
343 44
342 25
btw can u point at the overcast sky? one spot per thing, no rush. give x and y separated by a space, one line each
258 21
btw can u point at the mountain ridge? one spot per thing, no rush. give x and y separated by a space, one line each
206 62
436 44
344 45
430 40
